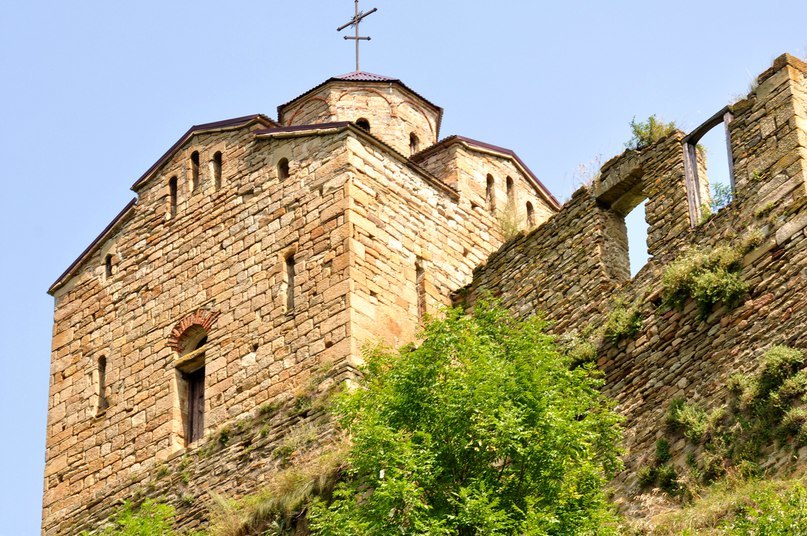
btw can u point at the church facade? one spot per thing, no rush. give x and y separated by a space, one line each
256 255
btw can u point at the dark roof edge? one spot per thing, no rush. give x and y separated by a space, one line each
494 148
196 129
438 109
93 245
319 128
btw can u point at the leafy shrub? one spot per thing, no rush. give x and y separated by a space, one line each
482 429
644 133
622 322
772 514
779 363
149 519
689 419
663 454
708 277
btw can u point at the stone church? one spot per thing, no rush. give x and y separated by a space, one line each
256 254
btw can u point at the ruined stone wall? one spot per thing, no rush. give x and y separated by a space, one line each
573 268
393 112
222 254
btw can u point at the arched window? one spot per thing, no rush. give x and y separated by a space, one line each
490 193
363 123
172 196
108 265
530 214
191 372
103 403
217 170
414 143
283 169
194 171
511 193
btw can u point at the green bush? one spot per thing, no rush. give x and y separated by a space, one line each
623 322
708 277
149 519
644 133
771 514
689 419
721 196
482 429
779 363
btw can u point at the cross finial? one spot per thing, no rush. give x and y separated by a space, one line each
357 18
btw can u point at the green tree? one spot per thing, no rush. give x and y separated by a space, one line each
482 429
149 519
644 133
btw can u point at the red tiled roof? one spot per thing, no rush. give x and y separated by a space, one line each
361 76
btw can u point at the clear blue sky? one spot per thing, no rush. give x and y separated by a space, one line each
94 92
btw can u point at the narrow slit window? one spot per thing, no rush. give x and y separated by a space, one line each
103 403
217 169
420 284
194 171
363 124
490 193
530 214
283 169
414 143
290 272
108 265
172 196
511 193
191 383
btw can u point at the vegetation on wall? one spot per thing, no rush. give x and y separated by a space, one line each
707 276
482 429
645 133
767 408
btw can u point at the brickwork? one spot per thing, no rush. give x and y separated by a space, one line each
259 282
574 266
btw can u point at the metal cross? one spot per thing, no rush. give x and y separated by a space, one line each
357 18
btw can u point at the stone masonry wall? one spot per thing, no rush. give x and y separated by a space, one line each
572 268
224 252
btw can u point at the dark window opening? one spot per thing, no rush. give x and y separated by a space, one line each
490 193
194 171
511 193
530 214
217 170
172 188
283 169
290 267
420 283
709 192
108 265
414 143
363 124
195 424
103 403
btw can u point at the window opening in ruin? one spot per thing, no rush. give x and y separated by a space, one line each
363 123
511 193
530 214
108 265
283 169
709 188
290 272
172 188
414 143
103 403
636 230
490 193
217 170
420 283
194 171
